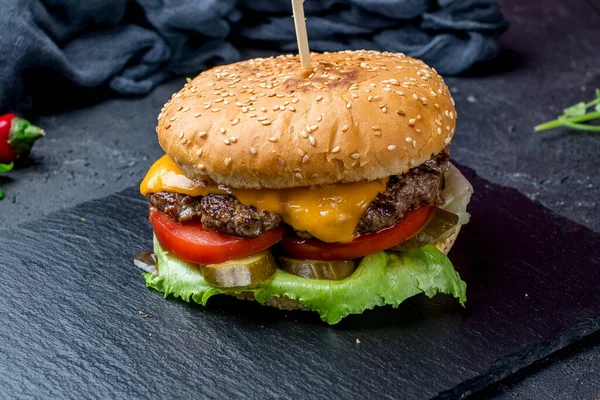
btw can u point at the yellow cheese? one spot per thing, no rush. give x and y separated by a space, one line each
329 212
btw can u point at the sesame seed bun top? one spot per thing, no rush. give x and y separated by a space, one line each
264 123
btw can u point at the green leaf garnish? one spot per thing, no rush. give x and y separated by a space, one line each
6 167
574 117
576 110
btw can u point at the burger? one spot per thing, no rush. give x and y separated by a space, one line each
327 190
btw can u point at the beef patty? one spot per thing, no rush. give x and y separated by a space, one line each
225 214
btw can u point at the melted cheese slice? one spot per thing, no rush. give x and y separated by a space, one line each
329 212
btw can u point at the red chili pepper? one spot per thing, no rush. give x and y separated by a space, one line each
17 137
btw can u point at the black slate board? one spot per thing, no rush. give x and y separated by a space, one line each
71 324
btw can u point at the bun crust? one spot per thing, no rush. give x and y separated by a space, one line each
285 303
264 123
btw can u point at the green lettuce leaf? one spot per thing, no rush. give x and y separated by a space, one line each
384 278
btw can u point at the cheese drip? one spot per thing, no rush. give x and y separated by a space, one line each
329 212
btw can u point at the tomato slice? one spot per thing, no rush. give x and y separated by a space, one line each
192 243
311 249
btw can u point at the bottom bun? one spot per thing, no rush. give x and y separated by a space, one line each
284 303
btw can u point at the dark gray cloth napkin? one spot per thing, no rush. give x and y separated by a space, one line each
132 45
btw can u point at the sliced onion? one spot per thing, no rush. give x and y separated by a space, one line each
457 194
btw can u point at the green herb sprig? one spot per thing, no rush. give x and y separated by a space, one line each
574 116
5 168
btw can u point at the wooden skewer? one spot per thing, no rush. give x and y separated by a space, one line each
301 35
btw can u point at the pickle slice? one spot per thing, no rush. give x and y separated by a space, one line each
333 270
247 271
439 228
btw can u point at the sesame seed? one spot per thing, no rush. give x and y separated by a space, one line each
335 149
281 161
275 108
305 159
219 100
419 117
222 130
438 122
408 139
375 127
312 140
299 175
451 115
377 97
252 150
233 139
300 152
197 115
414 144
417 130
354 96
291 108
373 85
237 103
411 122
215 109
348 106
314 128
199 152
272 139
183 141
227 142
400 112
355 156
173 118
399 93
345 128
294 100
319 118
384 109
387 89
304 134
448 127
227 161
181 134
263 109
265 122
447 140
391 147
370 98
319 98
282 108
415 96
202 134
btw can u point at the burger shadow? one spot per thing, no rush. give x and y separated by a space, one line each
412 312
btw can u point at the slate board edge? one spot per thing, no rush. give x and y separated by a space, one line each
503 368
510 365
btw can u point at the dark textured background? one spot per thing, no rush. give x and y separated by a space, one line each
550 60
